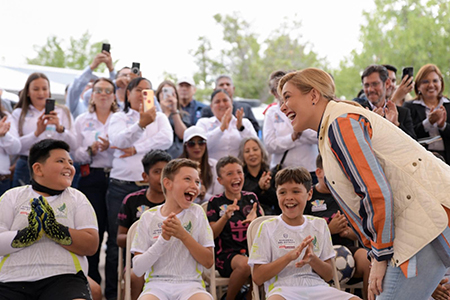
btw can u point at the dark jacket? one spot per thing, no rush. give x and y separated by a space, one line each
404 117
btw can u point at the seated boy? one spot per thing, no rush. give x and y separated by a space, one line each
135 204
322 204
46 231
292 253
174 240
229 215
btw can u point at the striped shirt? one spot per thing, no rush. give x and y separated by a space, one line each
350 140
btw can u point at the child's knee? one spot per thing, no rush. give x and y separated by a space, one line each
240 263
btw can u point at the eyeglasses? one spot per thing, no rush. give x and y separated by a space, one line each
100 90
435 81
191 144
373 84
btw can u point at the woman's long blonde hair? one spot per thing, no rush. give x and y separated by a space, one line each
310 78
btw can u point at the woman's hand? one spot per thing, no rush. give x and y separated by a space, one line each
443 119
435 115
103 144
376 276
170 102
127 152
40 125
52 118
94 148
441 292
264 181
226 119
239 115
146 117
4 126
405 87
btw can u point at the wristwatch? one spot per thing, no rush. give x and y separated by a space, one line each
241 128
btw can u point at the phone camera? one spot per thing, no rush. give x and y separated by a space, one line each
135 70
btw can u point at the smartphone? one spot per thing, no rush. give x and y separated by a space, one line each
167 92
106 47
148 100
408 71
135 68
49 105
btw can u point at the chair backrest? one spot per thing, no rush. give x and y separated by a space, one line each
251 233
130 236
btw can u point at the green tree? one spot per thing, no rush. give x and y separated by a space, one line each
248 60
402 33
77 55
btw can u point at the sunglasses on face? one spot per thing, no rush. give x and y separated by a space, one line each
191 144
100 90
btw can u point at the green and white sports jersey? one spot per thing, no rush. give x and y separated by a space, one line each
44 258
275 238
175 263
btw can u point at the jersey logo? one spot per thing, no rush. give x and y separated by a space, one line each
223 209
61 212
278 119
315 244
239 231
188 227
140 210
318 205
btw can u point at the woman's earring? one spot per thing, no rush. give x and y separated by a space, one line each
314 103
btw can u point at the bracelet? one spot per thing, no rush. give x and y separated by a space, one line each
143 128
177 112
241 128
58 130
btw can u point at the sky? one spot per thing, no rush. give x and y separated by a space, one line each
161 34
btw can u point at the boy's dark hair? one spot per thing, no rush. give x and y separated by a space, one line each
40 151
319 163
172 168
297 175
153 157
226 160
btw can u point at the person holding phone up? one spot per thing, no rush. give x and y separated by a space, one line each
168 98
430 110
132 133
34 124
75 99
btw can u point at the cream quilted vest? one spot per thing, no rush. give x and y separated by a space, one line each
420 182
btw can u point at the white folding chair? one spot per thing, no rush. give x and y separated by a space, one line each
211 276
251 233
130 236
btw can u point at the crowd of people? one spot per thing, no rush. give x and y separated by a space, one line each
104 160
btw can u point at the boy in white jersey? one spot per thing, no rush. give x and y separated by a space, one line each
291 253
46 231
174 241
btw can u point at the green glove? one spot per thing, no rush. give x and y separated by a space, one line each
33 232
54 230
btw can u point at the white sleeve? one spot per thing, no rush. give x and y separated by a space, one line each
68 135
260 253
206 237
80 152
249 130
120 135
275 141
213 136
327 245
309 136
10 142
6 221
159 135
85 216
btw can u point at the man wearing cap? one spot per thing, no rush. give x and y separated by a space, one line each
186 90
225 82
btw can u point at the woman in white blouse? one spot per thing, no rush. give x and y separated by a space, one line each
279 136
9 145
34 125
132 133
225 131
95 156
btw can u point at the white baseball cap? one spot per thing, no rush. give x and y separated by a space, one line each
187 79
194 131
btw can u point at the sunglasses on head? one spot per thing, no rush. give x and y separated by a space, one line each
191 144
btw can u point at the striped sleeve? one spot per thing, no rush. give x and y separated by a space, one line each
350 140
